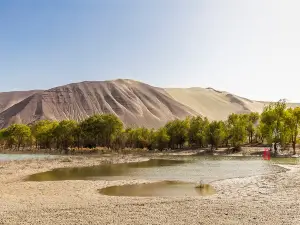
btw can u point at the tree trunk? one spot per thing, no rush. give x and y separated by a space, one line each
78 141
275 148
294 148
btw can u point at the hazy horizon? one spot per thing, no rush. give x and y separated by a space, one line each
247 48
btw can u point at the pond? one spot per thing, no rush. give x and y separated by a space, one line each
176 176
189 169
9 157
162 188
104 172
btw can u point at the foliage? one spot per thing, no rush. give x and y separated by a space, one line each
273 119
276 123
197 131
178 132
237 129
252 120
162 138
216 133
18 134
65 134
292 122
100 130
43 131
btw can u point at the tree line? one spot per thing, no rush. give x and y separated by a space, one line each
276 123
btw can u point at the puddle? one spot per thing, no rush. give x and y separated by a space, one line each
162 188
187 169
106 171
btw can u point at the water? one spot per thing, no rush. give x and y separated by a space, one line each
9 157
188 169
282 160
162 188
208 169
105 172
171 177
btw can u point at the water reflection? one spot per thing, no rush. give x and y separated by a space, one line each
163 188
100 172
188 169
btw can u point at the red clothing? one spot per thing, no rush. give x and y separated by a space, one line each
266 155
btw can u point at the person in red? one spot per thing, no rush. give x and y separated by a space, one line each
266 155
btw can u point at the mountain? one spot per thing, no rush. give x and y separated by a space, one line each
216 105
135 103
8 99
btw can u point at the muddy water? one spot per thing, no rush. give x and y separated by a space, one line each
106 171
162 188
189 169
175 176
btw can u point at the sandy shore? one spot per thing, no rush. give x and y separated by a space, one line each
267 199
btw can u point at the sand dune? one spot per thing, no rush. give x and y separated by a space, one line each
215 105
8 99
135 103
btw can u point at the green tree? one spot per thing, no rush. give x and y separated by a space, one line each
197 131
65 134
252 121
272 118
215 134
101 129
162 138
43 131
2 137
121 140
237 128
113 127
141 137
259 134
92 130
178 132
18 134
292 122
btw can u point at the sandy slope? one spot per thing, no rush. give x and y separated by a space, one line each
8 99
270 199
134 102
216 105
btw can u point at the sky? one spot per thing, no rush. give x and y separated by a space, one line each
248 48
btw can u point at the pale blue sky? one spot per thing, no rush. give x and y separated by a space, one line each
250 48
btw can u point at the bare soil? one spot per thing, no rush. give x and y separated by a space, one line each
268 199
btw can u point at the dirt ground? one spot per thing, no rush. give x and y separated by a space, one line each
267 199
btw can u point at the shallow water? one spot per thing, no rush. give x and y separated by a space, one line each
9 157
162 188
106 171
291 160
188 169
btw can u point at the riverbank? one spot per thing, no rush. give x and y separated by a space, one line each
245 151
267 199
